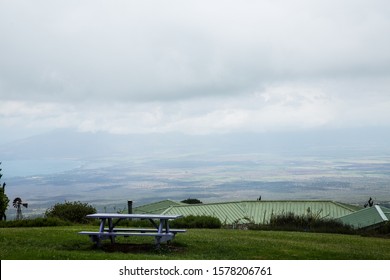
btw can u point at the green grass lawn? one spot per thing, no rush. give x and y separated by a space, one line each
62 243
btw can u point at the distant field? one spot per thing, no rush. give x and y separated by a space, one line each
210 178
62 243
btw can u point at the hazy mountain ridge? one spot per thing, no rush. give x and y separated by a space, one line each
71 144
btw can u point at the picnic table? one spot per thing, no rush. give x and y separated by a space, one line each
108 230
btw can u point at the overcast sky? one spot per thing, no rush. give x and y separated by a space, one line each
193 66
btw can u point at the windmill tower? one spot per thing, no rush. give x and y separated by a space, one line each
18 205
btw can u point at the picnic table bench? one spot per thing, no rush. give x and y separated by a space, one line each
108 230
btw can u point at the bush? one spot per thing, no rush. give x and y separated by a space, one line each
384 229
74 212
381 231
309 222
192 221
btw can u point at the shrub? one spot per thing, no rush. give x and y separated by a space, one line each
241 223
309 222
71 211
192 221
384 229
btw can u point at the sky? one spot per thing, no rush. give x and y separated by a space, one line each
195 67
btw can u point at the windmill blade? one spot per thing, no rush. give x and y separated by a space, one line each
17 201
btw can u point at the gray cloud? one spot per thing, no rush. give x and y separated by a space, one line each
143 66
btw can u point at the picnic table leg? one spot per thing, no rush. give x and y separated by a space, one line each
96 239
101 230
161 226
157 241
160 230
166 226
102 224
167 229
110 229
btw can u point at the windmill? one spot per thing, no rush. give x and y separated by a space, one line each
18 205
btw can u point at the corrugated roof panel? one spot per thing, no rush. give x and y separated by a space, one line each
156 207
353 208
261 211
226 212
386 211
366 217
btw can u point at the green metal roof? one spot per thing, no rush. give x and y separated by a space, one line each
367 217
156 207
261 211
226 212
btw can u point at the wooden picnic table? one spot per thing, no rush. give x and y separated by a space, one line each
108 230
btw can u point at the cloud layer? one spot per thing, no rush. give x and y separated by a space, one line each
193 66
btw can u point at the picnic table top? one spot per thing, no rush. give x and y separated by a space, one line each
132 216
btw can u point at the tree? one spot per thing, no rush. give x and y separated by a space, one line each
71 211
191 201
370 203
3 199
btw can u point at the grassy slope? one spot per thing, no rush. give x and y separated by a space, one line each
64 243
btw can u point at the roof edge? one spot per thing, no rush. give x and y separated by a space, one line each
380 212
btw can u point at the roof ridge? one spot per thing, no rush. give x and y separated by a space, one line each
211 203
157 202
261 201
344 205
290 200
380 212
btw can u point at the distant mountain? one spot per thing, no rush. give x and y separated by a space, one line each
71 144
